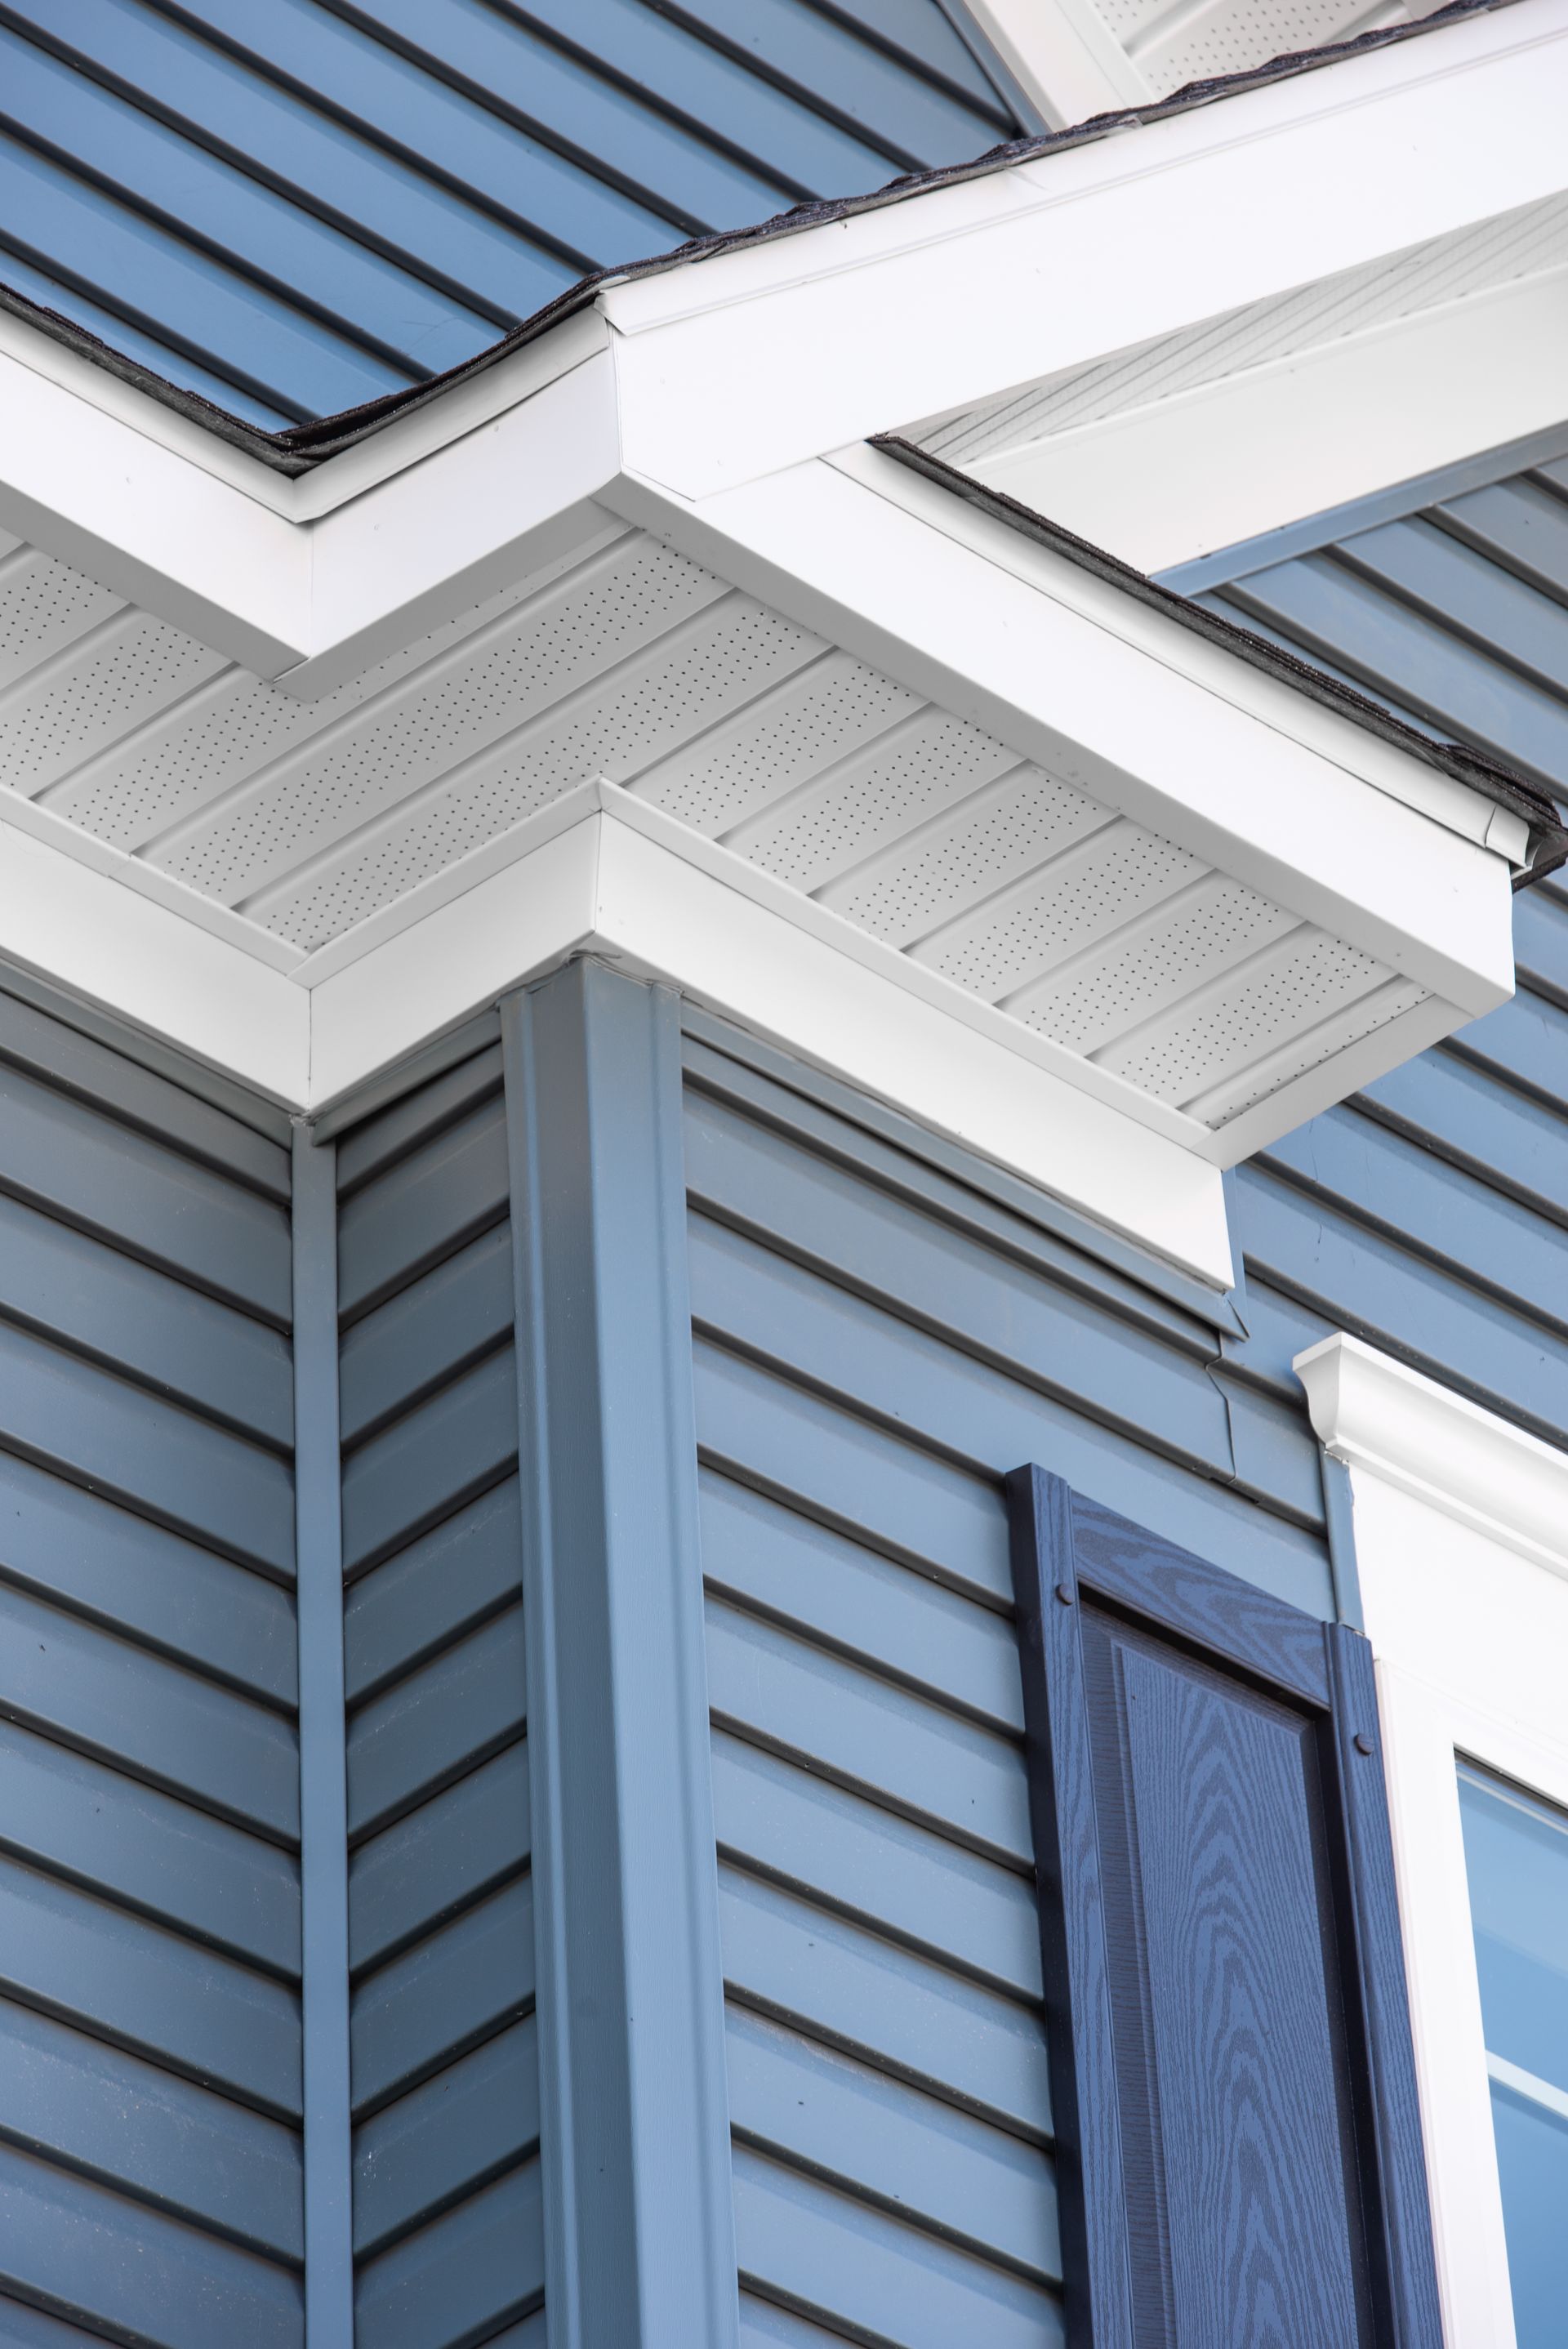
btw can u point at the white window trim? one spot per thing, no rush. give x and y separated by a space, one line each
1462 1544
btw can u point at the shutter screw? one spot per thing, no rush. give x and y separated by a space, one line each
1063 1592
1361 1741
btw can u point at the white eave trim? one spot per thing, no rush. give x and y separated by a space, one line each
1126 705
1374 1413
600 874
703 377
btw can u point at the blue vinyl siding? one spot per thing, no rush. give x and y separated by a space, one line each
1430 1214
447 2195
883 1331
150 1912
296 209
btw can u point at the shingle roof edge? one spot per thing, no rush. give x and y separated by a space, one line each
1500 784
304 447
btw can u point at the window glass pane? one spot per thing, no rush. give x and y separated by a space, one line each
1516 1856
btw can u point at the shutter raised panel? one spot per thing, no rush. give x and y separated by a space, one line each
1238 2141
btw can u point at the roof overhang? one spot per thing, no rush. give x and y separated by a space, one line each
697 407
703 377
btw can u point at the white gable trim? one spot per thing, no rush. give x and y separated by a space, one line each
1212 467
703 377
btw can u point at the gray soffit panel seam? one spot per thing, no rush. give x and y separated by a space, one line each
298 447
1277 658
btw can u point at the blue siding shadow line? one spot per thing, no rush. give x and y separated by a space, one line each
294 209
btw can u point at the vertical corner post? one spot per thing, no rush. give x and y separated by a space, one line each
639 2231
324 1810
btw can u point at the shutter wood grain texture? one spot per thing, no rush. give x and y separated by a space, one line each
1225 1982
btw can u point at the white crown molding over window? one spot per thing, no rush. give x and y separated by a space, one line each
1461 1548
1374 1413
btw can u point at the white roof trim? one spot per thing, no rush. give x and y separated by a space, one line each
600 874
1123 703
1224 461
704 378
1374 1413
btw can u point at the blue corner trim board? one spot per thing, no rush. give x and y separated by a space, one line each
634 2120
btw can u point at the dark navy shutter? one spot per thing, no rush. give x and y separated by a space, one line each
1238 2140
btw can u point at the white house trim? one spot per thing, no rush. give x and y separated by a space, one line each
1376 1414
1125 704
1063 54
703 377
1224 461
959 294
598 872
1461 1546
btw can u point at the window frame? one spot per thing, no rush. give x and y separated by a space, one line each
1461 1547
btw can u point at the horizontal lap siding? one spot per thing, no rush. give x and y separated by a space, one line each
150 1948
447 2207
294 209
876 1344
1430 1214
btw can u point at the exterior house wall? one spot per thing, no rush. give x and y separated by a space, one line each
149 1805
882 1328
1429 1213
447 2230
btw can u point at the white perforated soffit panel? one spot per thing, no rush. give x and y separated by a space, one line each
1515 244
1173 42
307 818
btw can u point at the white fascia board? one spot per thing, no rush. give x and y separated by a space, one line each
709 374
600 874
1376 1414
1128 705
152 965
952 298
304 597
1221 463
621 883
